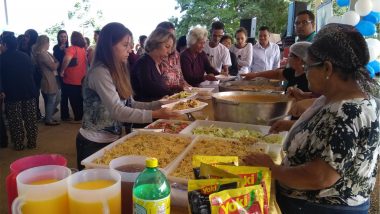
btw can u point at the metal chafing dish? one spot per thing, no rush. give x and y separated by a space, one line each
249 107
256 85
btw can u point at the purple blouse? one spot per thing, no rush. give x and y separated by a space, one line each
147 82
193 68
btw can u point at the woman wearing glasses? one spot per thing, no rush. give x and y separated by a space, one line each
332 150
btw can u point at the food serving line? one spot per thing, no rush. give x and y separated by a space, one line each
248 104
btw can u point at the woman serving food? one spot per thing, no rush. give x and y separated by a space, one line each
332 150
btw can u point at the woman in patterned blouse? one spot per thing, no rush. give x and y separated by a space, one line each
333 149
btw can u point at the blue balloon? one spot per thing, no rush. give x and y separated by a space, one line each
370 71
343 3
375 64
376 14
373 17
366 28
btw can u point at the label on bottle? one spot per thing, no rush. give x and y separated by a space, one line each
141 206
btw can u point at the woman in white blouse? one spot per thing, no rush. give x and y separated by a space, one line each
242 50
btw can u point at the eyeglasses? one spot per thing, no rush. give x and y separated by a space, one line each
292 55
303 23
307 67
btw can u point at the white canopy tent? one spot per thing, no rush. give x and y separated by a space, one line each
6 12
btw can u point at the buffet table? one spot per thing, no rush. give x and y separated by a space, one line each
208 114
188 141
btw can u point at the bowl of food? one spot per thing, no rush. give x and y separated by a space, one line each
249 107
260 85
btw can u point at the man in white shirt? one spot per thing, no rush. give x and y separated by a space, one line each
266 55
217 53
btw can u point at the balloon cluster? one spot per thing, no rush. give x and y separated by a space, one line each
365 17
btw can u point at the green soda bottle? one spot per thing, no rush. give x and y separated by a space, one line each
151 191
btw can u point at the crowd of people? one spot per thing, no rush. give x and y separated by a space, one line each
333 142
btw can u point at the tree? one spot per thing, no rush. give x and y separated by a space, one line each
53 31
337 11
81 16
272 13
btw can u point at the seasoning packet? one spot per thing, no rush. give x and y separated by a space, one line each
199 191
251 176
208 171
247 200
212 160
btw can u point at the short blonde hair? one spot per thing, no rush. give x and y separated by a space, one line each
196 33
41 41
157 37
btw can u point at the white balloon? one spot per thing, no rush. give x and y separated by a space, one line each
350 18
363 7
373 42
373 53
376 5
334 19
373 47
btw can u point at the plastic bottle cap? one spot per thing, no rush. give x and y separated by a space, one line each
151 162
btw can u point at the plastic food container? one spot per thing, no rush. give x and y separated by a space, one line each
170 125
89 161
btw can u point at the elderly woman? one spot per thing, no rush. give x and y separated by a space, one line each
332 150
147 81
194 61
47 65
295 74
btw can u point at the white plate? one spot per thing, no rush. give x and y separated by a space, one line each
209 84
224 77
184 111
200 90
166 100
203 93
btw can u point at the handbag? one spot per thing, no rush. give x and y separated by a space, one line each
74 61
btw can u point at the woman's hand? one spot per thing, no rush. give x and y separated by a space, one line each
259 159
210 77
294 92
281 125
300 107
187 87
249 76
224 73
62 47
164 113
298 94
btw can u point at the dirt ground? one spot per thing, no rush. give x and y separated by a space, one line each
61 140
